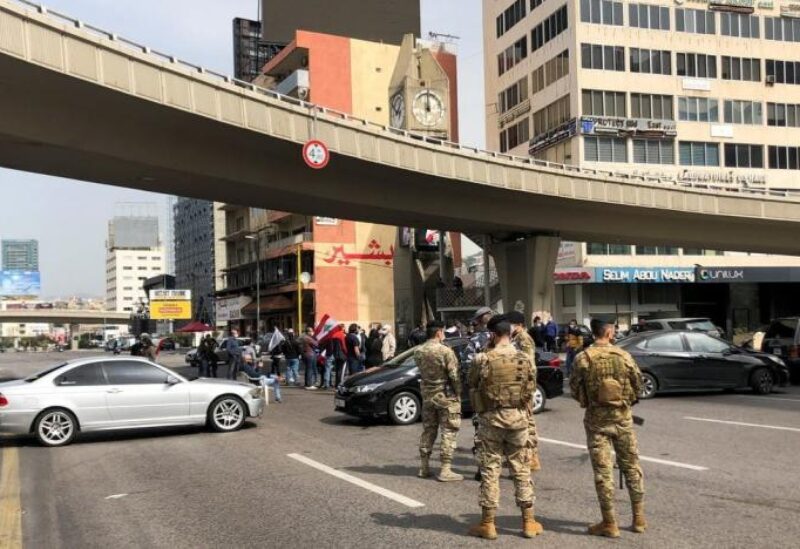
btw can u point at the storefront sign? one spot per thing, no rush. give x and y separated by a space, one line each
739 6
790 10
631 275
545 140
170 309
723 177
567 254
593 125
230 308
747 274
158 295
573 276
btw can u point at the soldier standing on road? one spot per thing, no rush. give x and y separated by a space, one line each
606 381
441 401
524 342
478 343
504 380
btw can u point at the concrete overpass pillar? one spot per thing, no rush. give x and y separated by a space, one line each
525 269
74 335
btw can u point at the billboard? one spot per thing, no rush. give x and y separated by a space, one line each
20 283
170 304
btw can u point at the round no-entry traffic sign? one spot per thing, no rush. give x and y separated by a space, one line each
316 154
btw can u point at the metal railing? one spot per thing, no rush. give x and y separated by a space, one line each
665 181
466 298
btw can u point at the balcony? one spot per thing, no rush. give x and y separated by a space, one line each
273 216
292 240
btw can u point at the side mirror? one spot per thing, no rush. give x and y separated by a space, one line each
172 380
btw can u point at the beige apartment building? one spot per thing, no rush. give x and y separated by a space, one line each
695 91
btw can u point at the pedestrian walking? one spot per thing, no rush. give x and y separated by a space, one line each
234 354
523 342
354 350
606 382
504 383
388 344
440 383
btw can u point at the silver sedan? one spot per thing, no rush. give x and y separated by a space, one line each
98 394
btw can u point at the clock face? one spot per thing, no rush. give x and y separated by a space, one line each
398 110
428 108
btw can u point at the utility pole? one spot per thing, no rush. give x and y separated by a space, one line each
299 289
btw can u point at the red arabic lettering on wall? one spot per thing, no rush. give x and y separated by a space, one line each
572 275
337 255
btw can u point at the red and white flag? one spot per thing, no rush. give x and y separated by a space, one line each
326 328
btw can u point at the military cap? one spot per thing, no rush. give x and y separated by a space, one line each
515 317
480 312
495 320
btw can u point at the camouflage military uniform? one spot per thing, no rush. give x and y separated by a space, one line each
478 343
504 378
524 342
441 398
606 381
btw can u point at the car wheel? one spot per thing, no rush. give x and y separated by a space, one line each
404 408
226 414
762 381
649 386
539 400
55 427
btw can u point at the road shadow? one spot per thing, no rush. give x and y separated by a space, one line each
508 523
351 421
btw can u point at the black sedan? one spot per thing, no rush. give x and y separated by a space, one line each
393 389
685 360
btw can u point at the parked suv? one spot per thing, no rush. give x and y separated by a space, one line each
694 324
783 339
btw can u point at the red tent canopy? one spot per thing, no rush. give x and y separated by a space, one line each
195 326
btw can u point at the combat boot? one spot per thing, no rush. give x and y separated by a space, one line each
485 529
530 528
639 522
607 528
424 467
446 474
535 465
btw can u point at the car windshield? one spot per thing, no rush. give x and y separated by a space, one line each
403 359
782 328
39 375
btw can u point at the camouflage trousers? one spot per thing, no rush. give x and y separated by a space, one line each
533 435
600 439
494 444
434 419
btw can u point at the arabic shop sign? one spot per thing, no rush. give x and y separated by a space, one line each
631 275
609 125
337 256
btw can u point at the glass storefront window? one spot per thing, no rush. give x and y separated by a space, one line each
653 294
609 294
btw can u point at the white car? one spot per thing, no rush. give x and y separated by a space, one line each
99 394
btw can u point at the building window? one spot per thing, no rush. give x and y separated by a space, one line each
741 68
698 109
696 64
738 155
648 16
552 116
646 105
557 67
786 29
657 294
783 72
548 29
512 55
604 149
743 112
651 61
695 21
656 250
515 135
601 12
740 25
783 158
610 58
513 95
603 103
653 151
596 248
127 268
697 153
511 16
783 115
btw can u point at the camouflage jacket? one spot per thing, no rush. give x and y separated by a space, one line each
606 381
524 342
479 373
438 367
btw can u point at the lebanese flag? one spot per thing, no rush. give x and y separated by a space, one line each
326 328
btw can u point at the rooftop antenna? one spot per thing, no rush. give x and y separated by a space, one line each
443 37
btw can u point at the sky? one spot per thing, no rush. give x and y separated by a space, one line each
69 218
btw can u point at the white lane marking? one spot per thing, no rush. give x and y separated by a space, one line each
742 424
642 458
399 498
116 496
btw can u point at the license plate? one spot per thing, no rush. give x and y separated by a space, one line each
338 402
776 351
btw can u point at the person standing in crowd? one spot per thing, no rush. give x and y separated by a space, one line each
388 344
440 382
337 348
234 354
523 342
606 382
291 352
207 357
478 343
416 337
574 344
354 350
504 381
374 349
536 332
550 335
308 352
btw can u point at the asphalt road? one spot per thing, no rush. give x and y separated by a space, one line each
708 484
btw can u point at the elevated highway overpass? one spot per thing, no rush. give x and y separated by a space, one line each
63 316
82 103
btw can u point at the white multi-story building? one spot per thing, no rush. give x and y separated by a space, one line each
697 92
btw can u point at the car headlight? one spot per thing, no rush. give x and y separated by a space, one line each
777 360
366 388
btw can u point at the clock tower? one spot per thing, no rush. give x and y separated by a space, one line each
419 92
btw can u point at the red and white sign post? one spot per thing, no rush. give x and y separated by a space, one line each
316 154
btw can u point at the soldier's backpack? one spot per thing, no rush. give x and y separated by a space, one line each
606 378
509 381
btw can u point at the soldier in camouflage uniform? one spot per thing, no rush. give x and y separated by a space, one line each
606 381
441 401
504 380
524 342
478 343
